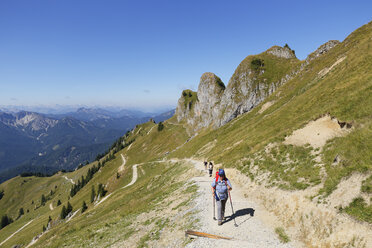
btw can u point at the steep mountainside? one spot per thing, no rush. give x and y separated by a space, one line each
32 142
302 154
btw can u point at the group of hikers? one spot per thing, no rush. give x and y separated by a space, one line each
221 188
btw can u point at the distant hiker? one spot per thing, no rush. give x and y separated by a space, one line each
220 186
205 165
210 169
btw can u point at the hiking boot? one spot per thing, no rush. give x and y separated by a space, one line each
219 223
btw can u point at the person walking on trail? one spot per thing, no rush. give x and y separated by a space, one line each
220 186
210 169
205 165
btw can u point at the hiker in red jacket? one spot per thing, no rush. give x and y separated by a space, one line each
221 185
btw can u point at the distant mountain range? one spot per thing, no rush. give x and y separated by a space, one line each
34 142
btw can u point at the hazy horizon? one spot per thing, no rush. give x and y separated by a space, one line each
62 109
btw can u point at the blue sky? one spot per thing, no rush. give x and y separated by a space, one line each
143 53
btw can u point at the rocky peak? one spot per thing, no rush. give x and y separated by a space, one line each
282 52
255 78
185 104
323 49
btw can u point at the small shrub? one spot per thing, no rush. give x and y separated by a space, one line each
282 235
160 126
20 212
256 64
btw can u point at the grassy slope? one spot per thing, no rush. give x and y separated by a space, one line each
345 92
20 195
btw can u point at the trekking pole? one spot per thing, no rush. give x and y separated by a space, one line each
232 209
214 206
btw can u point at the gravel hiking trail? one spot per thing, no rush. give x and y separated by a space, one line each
135 176
250 232
16 232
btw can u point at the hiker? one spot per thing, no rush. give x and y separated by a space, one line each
210 169
221 185
205 165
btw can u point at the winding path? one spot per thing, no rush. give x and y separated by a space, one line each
121 168
134 178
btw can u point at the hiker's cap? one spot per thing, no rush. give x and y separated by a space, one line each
221 172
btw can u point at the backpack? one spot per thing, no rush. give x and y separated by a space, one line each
217 177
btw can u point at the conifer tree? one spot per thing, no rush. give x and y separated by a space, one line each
69 208
20 212
63 213
59 202
43 199
84 207
160 126
5 220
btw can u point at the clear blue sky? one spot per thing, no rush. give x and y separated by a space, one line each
143 53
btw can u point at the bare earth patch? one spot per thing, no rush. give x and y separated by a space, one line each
317 133
303 219
266 106
346 191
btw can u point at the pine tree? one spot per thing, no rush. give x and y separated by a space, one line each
49 219
43 199
92 195
59 202
63 213
5 220
20 212
101 190
69 208
160 126
44 228
84 207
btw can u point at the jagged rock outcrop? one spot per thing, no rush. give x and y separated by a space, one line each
282 52
255 78
323 49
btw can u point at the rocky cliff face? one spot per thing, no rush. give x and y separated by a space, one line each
255 78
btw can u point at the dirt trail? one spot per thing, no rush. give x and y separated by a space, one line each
250 232
69 179
16 232
134 178
51 206
150 130
121 168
